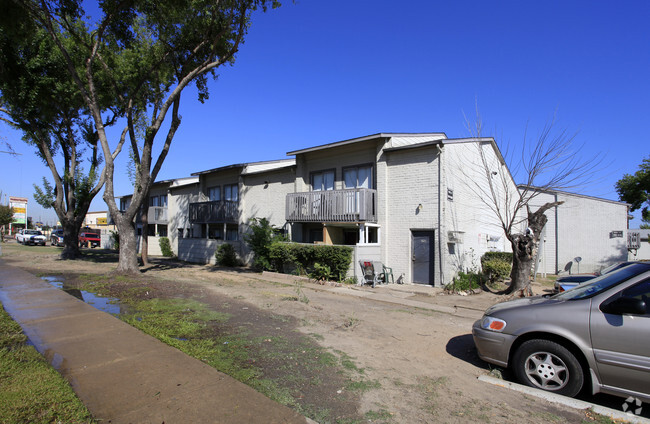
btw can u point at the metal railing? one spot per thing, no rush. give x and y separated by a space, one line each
214 212
350 205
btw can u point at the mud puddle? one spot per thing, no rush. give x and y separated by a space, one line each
105 304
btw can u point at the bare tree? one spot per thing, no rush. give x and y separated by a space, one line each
546 163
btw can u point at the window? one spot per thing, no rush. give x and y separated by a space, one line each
124 204
231 192
162 230
158 200
214 194
323 180
358 177
232 233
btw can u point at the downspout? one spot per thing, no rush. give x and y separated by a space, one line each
440 261
557 256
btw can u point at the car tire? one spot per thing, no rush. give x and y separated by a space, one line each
549 366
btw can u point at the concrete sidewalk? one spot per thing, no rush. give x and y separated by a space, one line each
121 374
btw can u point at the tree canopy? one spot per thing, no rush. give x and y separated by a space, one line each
130 61
635 190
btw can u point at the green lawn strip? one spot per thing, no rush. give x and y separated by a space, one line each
30 389
184 324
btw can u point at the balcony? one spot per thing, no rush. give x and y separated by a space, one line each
351 205
221 211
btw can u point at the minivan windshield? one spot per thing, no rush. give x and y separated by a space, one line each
604 282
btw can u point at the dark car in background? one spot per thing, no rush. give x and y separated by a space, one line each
594 337
56 238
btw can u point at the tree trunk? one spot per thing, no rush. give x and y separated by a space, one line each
524 251
128 258
70 239
144 252
522 263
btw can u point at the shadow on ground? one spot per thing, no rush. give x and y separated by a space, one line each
462 347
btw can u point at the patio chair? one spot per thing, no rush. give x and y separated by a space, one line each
368 274
386 275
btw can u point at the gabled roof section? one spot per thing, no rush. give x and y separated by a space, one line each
253 167
400 139
567 193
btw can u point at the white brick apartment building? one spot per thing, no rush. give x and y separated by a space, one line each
415 202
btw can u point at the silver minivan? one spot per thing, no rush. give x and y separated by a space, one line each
595 336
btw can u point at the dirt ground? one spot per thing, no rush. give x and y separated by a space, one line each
424 361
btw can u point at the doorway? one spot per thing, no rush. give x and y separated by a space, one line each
422 257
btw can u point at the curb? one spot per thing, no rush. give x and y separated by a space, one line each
563 400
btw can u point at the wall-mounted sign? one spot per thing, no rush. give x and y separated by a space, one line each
615 234
102 221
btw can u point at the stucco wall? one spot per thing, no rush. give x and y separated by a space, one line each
201 251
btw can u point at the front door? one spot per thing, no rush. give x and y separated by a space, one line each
422 254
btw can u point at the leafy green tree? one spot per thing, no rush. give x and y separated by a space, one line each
147 52
6 217
39 98
635 190
259 239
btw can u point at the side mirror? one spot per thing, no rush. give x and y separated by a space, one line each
624 306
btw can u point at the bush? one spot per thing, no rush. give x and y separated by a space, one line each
321 272
500 256
292 257
262 234
496 265
115 236
226 256
166 247
465 282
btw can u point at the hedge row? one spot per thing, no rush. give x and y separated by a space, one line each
295 258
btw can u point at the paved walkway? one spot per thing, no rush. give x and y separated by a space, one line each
121 374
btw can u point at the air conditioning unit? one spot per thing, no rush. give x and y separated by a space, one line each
456 236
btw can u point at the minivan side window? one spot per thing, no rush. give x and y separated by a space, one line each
640 291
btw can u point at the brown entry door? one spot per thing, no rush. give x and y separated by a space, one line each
422 254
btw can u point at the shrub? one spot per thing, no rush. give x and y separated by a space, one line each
291 257
166 247
465 282
496 265
115 236
321 272
262 234
496 270
500 256
226 255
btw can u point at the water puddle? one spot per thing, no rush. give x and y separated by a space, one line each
106 304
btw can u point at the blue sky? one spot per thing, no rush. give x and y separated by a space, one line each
314 72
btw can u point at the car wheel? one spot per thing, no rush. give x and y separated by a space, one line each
548 366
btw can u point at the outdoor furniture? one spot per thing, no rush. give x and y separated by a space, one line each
368 274
387 274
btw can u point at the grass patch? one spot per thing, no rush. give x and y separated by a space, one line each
31 391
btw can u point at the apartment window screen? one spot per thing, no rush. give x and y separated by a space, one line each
214 194
358 177
323 180
231 192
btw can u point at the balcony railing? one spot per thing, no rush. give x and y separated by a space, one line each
351 205
221 211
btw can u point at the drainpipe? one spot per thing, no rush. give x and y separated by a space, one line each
557 257
440 261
